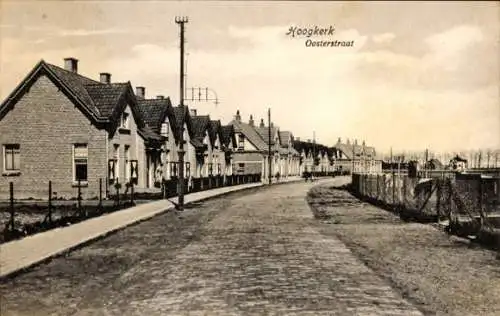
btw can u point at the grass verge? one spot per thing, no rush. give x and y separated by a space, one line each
439 273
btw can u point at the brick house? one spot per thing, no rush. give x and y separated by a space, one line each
358 158
80 130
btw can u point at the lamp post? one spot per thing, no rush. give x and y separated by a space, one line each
180 186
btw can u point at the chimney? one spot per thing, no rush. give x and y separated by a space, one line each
237 117
262 123
160 97
348 142
356 142
71 64
339 141
364 144
272 125
140 92
297 139
193 112
105 77
308 140
250 122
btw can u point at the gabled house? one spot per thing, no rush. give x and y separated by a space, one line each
250 156
60 126
158 115
356 158
218 159
270 135
292 156
229 145
183 118
202 141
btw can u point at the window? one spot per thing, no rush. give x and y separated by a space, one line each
219 170
164 129
188 169
116 158
173 169
125 120
210 169
12 157
80 161
241 142
241 167
127 162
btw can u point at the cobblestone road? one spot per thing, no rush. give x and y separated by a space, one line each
250 253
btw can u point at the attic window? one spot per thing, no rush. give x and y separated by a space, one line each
164 129
125 121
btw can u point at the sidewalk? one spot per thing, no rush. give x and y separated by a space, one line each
21 254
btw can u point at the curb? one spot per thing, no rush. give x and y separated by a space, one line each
78 245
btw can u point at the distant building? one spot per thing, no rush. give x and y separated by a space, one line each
458 163
356 158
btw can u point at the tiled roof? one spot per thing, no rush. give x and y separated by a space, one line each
250 133
264 133
106 96
227 133
285 137
200 124
76 83
215 130
181 115
349 149
101 101
154 111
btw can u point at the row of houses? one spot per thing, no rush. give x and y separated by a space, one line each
75 131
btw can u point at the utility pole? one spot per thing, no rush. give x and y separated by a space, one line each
180 186
313 167
269 147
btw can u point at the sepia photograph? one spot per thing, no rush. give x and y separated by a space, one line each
168 157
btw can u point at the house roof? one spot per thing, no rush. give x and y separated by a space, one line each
200 126
285 137
102 103
250 133
154 112
349 149
215 129
181 115
227 135
264 133
459 159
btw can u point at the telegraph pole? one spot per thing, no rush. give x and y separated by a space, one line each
269 148
313 167
180 186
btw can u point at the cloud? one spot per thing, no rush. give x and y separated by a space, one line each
383 38
84 32
447 48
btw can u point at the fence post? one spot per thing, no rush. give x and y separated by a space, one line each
11 191
117 193
438 199
100 193
481 202
50 202
131 192
403 199
79 197
378 187
393 188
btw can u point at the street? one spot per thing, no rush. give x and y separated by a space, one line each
258 252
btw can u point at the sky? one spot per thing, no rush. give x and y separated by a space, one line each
418 75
